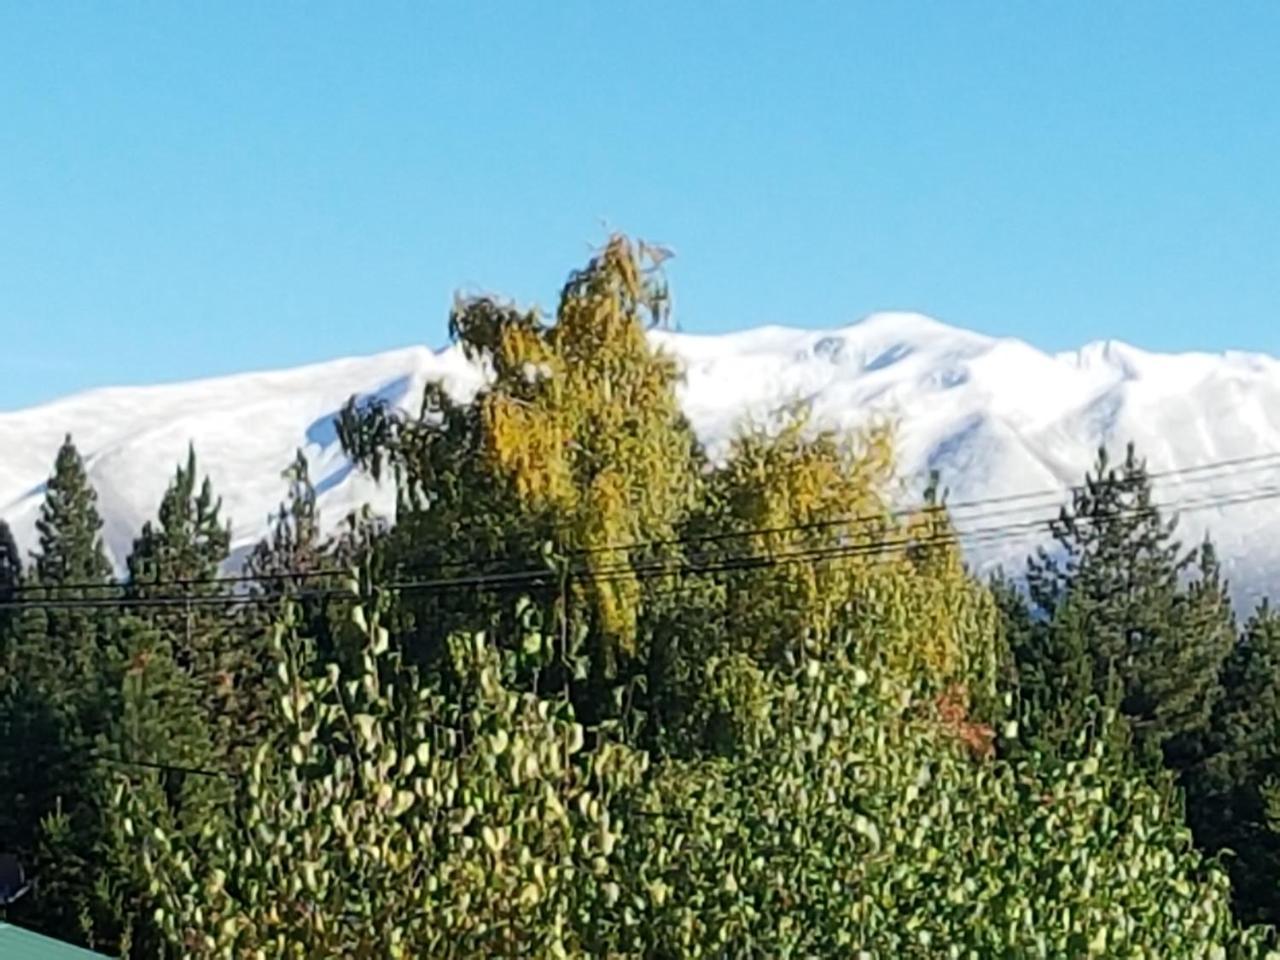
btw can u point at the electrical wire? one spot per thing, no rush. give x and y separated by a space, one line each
528 579
1199 474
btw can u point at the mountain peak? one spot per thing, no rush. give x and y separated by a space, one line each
996 415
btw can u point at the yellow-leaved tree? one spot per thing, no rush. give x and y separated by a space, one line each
575 442
805 509
802 534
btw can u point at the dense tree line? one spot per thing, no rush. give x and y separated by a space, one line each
594 693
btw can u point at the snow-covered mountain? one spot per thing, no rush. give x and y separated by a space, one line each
996 416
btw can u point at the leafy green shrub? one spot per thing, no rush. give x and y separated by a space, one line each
388 821
852 818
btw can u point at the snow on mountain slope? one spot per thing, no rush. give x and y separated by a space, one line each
995 416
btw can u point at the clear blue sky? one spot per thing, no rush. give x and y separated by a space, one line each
190 189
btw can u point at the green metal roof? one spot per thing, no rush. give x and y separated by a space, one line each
19 944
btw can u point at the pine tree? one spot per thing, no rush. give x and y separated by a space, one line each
1183 678
1227 791
1110 591
10 580
60 635
1061 697
288 559
13 775
70 528
10 560
294 560
51 700
1024 647
70 573
178 557
1016 622
183 550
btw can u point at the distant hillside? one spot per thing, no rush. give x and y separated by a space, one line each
995 416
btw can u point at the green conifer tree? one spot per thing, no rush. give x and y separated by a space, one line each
70 528
59 638
178 558
1227 792
51 698
294 560
1183 678
288 558
183 550
70 576
1115 614
150 721
10 580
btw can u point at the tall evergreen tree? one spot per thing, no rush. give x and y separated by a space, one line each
295 560
10 560
1028 656
61 636
70 529
289 557
150 722
1227 792
12 776
51 700
178 557
1184 677
1111 591
10 580
184 548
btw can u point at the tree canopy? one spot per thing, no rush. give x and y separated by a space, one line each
598 693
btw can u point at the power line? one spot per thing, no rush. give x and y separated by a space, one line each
531 578
238 578
1255 462
1243 465
166 767
1009 531
995 534
847 550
